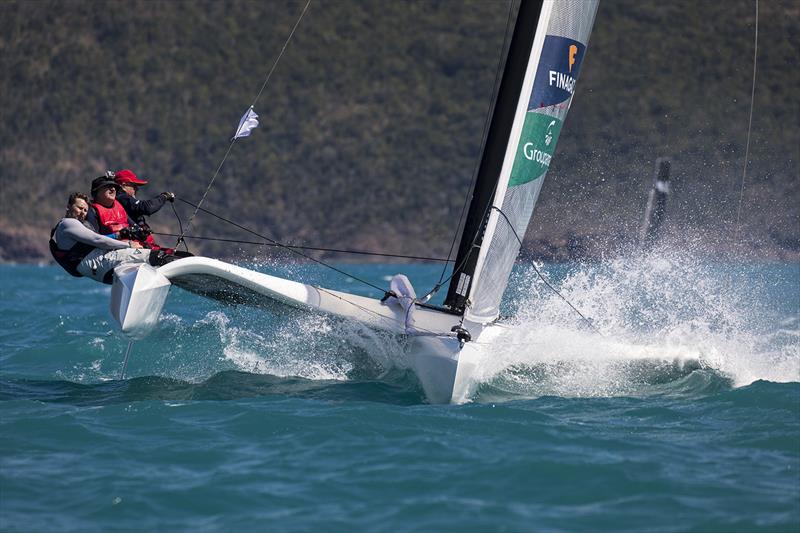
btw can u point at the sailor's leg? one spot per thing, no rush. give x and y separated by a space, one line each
163 256
99 264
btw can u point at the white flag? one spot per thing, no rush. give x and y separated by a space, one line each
246 124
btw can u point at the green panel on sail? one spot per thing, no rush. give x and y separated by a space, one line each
535 149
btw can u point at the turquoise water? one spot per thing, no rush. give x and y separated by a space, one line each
681 414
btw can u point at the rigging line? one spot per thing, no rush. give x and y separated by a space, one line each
318 249
486 124
478 232
365 309
536 269
275 64
749 126
281 245
275 243
456 268
233 141
180 225
197 207
438 286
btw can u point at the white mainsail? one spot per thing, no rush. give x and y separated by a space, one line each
543 101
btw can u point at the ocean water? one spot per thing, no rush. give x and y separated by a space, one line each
678 410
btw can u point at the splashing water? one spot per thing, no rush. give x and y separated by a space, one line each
658 317
307 345
662 321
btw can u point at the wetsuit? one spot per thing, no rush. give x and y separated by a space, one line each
83 252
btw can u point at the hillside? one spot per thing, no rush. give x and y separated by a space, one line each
371 125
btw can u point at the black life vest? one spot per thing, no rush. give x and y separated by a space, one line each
69 259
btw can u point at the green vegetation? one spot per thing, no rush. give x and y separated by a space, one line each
371 125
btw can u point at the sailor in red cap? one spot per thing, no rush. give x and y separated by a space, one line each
137 209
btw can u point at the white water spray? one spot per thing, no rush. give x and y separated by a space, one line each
662 315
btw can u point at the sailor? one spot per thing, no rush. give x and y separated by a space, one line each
84 252
107 216
137 209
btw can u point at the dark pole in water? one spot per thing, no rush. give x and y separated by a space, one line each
656 211
125 362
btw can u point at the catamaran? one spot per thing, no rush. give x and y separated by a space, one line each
447 342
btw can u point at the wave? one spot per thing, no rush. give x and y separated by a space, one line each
396 388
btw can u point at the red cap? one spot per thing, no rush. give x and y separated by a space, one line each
127 177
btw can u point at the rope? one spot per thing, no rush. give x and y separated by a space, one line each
275 64
489 206
478 233
281 245
321 289
191 218
365 309
314 248
457 268
180 226
278 244
749 126
233 141
486 122
547 283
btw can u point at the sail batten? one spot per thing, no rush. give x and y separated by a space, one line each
542 67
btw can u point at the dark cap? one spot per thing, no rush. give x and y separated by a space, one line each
102 181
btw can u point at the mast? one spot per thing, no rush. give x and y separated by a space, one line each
542 66
494 151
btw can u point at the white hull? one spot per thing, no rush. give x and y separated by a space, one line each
444 366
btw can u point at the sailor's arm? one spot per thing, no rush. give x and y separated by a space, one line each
73 229
137 208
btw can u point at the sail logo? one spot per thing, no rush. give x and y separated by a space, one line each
573 51
536 146
557 73
531 153
562 81
548 138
